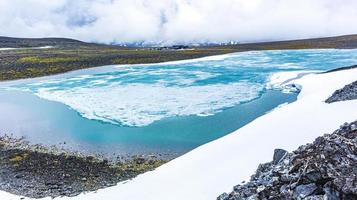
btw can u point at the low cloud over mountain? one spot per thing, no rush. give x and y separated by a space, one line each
177 21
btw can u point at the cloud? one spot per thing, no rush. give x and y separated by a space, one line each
177 21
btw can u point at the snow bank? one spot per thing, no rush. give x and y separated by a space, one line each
216 167
283 80
44 47
185 61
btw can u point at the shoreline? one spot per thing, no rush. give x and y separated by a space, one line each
167 146
37 171
23 146
248 145
41 62
299 80
113 67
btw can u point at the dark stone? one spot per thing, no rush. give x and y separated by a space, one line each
47 174
330 193
303 191
279 154
19 176
315 197
314 176
324 169
223 196
349 92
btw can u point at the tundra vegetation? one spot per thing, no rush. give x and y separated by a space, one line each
25 61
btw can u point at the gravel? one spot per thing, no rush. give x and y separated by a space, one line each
349 92
37 174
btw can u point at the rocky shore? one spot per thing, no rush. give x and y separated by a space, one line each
36 171
325 169
349 92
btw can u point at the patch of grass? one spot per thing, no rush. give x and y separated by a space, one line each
36 59
139 165
18 158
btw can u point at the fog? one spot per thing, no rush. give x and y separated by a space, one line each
177 21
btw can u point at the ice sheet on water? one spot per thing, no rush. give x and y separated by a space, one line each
142 104
137 95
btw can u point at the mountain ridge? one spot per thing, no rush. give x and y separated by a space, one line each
15 42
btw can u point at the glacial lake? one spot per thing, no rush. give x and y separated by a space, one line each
167 108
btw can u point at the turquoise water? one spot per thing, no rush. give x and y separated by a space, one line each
52 123
167 108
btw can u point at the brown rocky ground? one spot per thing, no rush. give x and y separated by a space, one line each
35 172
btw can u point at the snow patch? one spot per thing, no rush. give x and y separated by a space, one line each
44 47
283 81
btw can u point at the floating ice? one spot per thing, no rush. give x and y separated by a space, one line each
142 104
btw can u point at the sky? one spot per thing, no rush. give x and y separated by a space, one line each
177 21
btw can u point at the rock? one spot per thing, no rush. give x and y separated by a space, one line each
314 176
54 173
48 183
54 186
349 92
325 169
19 176
279 154
330 193
353 127
260 188
223 196
315 197
303 191
253 197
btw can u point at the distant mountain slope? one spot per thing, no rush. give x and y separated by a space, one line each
346 41
70 54
338 42
9 42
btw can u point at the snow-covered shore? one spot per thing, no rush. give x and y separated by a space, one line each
44 47
216 167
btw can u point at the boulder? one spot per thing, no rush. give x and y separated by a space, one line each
279 154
